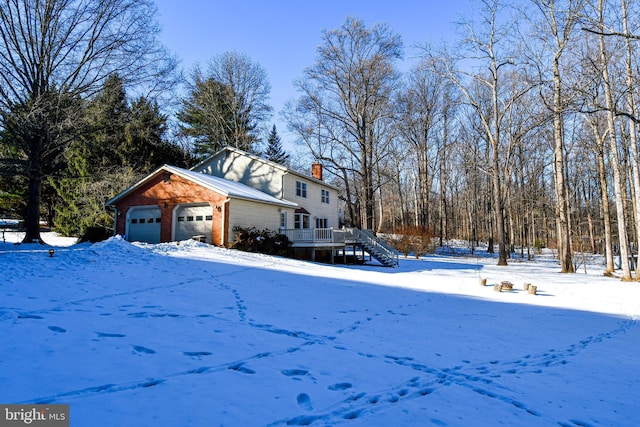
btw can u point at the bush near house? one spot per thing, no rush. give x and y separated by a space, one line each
95 234
266 241
414 240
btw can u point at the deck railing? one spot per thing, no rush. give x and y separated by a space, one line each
314 235
317 237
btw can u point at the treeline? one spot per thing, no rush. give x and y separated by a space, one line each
72 136
522 133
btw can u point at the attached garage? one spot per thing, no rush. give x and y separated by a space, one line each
175 204
144 224
193 220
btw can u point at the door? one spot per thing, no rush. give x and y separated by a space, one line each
192 221
144 224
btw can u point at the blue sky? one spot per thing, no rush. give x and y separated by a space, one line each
283 35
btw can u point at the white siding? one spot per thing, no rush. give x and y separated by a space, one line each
244 213
247 170
313 201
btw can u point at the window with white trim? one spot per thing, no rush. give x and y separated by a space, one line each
301 189
322 223
301 221
324 195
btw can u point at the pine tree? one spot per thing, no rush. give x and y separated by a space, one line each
122 142
274 152
206 117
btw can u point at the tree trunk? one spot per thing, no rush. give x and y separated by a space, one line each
562 204
632 126
497 185
606 213
618 184
32 220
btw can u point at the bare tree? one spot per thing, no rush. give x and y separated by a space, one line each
618 180
556 31
349 88
425 114
55 52
632 107
492 99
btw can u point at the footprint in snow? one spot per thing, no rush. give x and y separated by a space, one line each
294 372
108 335
57 329
304 401
141 349
196 353
239 367
29 316
340 386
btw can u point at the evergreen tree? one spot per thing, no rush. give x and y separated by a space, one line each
226 105
274 151
145 147
206 116
121 142
107 117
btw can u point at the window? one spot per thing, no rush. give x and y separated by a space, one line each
180 219
301 189
283 219
198 217
134 220
302 221
209 217
325 196
190 218
322 223
158 220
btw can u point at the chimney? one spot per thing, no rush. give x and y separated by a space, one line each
316 170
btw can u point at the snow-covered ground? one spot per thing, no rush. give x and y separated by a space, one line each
192 335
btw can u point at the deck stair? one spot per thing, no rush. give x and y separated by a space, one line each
377 248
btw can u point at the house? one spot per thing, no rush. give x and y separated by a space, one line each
231 189
173 204
317 200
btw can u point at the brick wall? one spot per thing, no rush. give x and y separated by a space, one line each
167 194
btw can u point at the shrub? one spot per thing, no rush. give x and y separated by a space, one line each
95 234
413 239
264 241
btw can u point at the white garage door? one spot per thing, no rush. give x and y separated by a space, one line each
193 221
144 225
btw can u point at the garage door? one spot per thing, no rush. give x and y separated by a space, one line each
193 220
144 225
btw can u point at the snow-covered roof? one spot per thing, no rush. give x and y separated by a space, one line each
265 161
230 188
219 185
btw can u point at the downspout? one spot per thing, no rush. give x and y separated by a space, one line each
282 185
223 231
